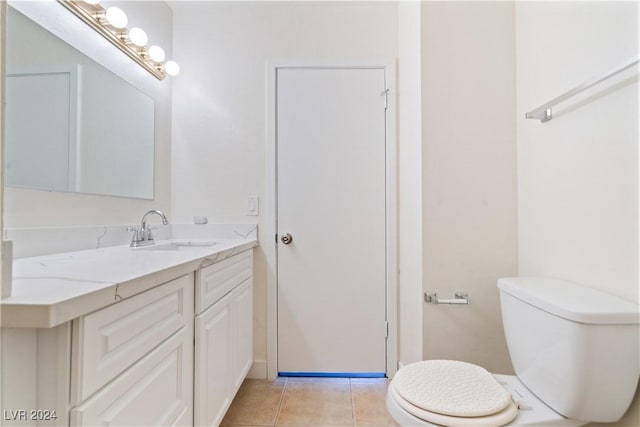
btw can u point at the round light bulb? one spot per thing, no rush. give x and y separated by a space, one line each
156 53
138 37
116 17
172 68
93 2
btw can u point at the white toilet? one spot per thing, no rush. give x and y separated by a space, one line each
575 351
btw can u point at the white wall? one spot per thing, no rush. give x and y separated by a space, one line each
409 184
26 208
5 258
469 176
219 111
578 173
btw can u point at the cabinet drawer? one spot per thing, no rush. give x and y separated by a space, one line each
216 280
109 341
156 391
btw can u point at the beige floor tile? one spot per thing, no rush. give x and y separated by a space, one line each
256 403
369 405
316 402
319 380
369 380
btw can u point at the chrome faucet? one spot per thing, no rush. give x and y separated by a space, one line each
142 235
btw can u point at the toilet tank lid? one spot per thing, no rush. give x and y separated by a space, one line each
572 301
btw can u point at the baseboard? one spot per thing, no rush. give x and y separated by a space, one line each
258 370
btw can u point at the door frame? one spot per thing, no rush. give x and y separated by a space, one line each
269 246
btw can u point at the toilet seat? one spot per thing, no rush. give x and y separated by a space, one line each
452 393
499 419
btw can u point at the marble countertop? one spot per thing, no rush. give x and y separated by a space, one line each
52 289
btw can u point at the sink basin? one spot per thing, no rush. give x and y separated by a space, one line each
179 246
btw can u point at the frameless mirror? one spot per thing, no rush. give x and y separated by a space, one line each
70 124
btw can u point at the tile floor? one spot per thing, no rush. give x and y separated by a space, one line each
310 402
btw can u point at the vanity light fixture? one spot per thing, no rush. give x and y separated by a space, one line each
172 68
111 23
138 37
156 53
116 17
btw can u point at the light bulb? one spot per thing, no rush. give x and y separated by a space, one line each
156 53
172 68
93 2
138 37
116 17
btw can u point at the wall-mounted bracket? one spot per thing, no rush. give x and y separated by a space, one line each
544 113
543 116
458 298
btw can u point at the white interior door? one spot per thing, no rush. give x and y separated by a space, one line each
330 142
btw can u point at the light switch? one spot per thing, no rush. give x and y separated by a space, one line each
252 205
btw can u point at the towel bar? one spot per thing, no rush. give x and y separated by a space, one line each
458 298
544 112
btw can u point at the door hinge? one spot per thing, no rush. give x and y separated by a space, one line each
276 236
385 93
386 329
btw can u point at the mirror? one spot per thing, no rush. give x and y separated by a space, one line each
70 124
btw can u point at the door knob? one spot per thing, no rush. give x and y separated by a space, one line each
286 238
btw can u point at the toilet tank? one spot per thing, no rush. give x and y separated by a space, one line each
576 348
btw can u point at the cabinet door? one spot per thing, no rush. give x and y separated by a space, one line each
243 332
213 362
109 341
158 390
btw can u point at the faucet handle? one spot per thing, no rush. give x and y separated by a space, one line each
135 238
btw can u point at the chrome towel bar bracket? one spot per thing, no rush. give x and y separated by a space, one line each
544 112
458 298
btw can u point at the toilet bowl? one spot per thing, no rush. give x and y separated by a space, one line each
521 407
577 363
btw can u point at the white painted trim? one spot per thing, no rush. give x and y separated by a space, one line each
389 65
270 218
392 219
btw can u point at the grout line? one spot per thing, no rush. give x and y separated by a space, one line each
284 389
353 406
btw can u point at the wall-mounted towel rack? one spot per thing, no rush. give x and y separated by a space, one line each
544 113
458 298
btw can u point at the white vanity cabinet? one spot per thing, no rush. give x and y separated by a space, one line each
132 361
223 335
173 354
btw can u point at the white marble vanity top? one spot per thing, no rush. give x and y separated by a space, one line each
52 289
